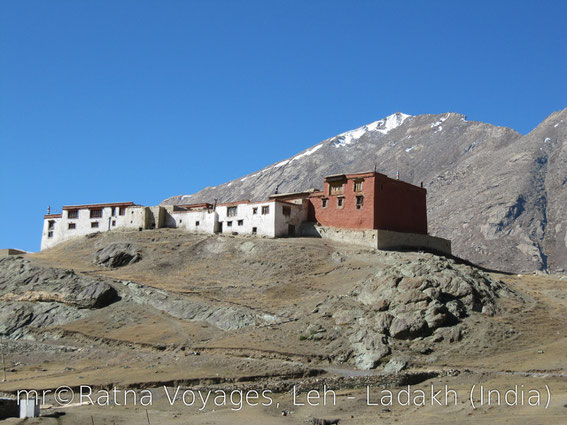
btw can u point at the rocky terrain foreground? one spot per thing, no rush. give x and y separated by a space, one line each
164 308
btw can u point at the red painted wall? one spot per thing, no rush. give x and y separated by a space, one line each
400 206
347 216
388 204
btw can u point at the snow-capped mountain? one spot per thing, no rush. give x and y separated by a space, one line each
498 195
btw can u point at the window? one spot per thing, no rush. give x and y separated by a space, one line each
229 223
359 202
266 209
336 188
340 202
324 202
73 214
94 224
241 222
254 230
286 211
72 226
113 213
113 223
50 234
255 210
122 211
231 211
197 223
51 224
96 213
358 185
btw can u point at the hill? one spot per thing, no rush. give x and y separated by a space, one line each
218 312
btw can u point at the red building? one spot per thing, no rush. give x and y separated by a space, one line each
369 201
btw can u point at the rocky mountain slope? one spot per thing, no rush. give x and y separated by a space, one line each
497 194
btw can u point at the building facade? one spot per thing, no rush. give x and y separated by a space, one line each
366 208
370 201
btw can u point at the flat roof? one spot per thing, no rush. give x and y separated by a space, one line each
200 205
229 204
351 175
283 195
89 206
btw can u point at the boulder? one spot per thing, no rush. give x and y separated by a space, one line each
408 326
396 365
118 254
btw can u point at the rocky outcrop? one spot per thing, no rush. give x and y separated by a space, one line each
410 301
222 315
118 254
33 296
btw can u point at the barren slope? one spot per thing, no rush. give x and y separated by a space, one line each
241 312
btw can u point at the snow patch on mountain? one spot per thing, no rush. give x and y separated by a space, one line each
438 123
383 126
295 158
307 152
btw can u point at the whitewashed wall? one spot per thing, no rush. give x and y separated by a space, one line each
57 237
188 220
264 223
133 218
298 214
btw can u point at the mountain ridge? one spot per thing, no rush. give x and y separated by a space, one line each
494 192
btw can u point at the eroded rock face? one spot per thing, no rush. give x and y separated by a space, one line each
410 301
33 296
118 255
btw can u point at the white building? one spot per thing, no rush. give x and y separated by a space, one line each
272 218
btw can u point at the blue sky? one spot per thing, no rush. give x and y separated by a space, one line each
104 101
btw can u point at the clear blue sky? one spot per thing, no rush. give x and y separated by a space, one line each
132 100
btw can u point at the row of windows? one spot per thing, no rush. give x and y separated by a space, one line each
96 213
232 211
341 202
73 226
240 223
338 188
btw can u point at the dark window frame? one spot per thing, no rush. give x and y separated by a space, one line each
232 211
95 213
336 188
